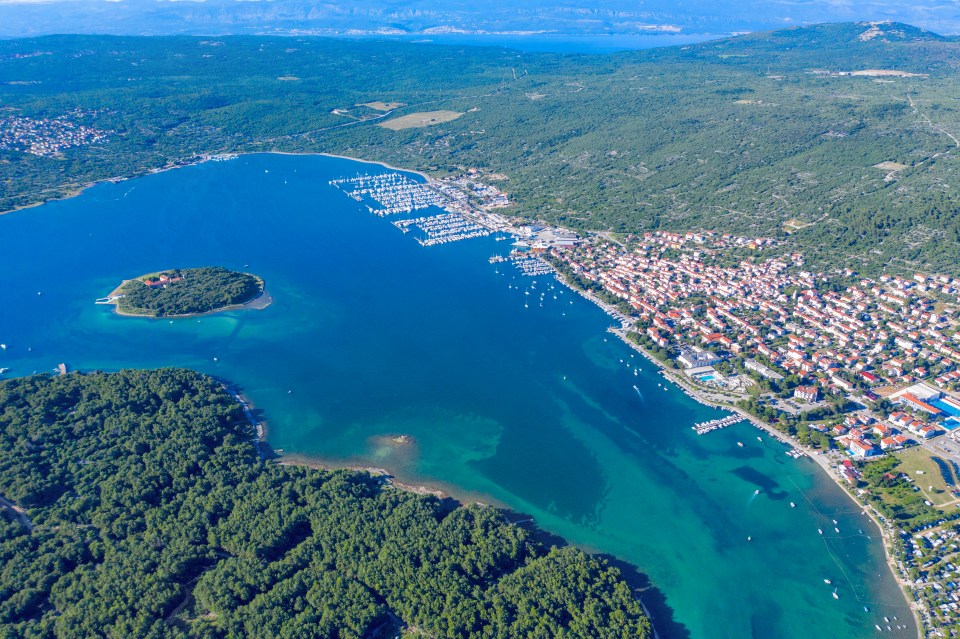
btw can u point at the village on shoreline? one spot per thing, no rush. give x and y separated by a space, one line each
858 375
844 370
861 375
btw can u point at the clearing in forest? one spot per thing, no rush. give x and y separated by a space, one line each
795 225
890 166
425 118
383 106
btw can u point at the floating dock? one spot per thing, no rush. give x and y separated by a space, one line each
393 192
530 264
716 424
442 229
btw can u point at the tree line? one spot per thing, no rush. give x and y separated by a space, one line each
196 290
152 515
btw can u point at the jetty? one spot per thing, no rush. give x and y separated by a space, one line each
530 264
716 424
394 193
443 229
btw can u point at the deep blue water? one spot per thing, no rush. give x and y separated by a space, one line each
372 336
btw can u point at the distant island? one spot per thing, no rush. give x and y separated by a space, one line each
188 292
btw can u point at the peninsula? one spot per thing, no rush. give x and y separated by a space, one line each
188 292
160 514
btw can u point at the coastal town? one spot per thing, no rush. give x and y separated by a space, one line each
862 372
870 364
50 136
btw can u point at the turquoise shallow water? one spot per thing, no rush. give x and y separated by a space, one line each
373 336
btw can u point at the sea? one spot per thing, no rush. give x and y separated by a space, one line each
508 388
565 43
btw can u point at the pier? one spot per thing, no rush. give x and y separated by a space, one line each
530 264
442 229
716 424
393 192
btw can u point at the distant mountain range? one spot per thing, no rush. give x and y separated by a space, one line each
431 17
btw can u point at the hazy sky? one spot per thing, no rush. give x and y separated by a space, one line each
23 17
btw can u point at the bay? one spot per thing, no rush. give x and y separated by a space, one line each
535 408
562 42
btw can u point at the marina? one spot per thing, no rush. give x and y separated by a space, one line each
530 265
716 424
393 192
442 229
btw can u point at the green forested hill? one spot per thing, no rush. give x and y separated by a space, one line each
761 134
197 290
148 514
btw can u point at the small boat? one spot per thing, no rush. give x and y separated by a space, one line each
759 439
3 346
740 444
827 581
749 538
835 595
820 530
756 492
865 609
836 529
887 619
793 505
878 627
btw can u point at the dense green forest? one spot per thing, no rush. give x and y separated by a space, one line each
764 134
192 290
147 512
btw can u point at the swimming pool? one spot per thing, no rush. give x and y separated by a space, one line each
945 407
